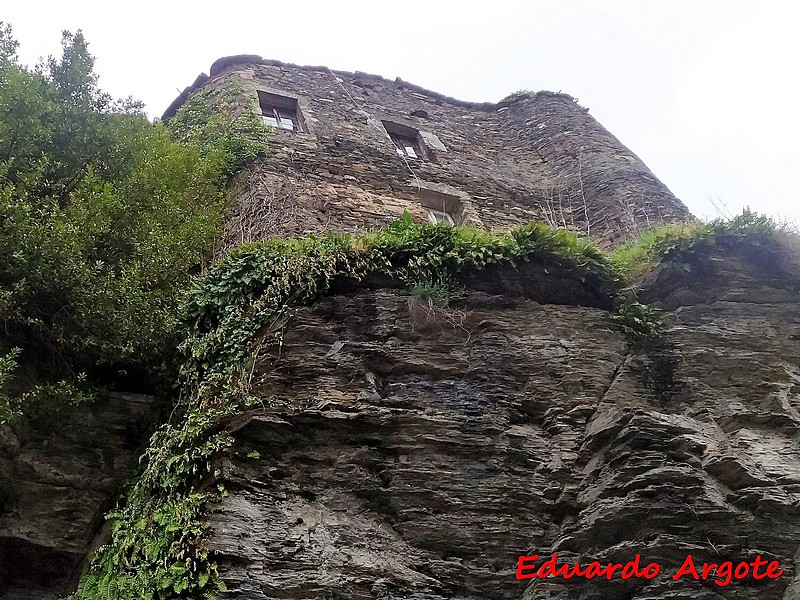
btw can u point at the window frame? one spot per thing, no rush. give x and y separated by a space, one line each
433 213
404 137
402 143
279 119
281 110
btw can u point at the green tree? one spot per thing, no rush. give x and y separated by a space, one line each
103 215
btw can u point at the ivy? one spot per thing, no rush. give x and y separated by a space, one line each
157 554
222 123
257 285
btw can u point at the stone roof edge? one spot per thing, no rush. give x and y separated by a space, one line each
223 63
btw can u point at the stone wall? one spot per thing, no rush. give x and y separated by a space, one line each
538 157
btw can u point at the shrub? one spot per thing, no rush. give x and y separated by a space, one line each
680 244
104 216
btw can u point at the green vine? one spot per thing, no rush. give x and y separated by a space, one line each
223 124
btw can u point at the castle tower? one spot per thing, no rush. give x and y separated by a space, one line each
350 151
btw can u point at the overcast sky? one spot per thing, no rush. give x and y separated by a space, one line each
704 91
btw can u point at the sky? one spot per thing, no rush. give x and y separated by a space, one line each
703 91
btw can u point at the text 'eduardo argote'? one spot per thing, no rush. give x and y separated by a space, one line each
720 573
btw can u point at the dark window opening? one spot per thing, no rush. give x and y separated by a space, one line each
406 140
279 112
406 146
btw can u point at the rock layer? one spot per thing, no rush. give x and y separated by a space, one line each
406 451
58 477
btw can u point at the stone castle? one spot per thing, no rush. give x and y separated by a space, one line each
352 151
397 452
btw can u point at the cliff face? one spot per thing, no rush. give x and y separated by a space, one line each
57 480
407 451
411 452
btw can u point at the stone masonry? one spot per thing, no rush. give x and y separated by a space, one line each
530 157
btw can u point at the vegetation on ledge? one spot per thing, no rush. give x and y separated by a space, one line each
681 244
157 547
520 95
258 283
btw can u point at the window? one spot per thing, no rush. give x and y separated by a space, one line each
280 118
279 112
406 140
406 146
439 217
443 204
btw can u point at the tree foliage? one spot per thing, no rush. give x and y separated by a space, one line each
103 215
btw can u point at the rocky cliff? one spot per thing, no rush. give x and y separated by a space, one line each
416 453
393 447
58 477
